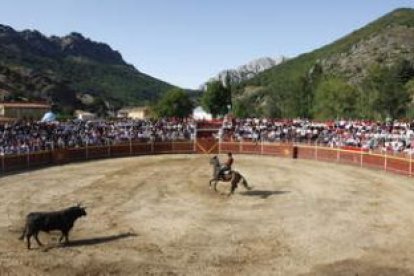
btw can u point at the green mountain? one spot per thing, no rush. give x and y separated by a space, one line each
70 71
293 88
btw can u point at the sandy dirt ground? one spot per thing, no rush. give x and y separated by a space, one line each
155 215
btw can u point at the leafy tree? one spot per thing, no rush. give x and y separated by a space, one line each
409 86
217 98
272 109
404 69
387 95
175 103
241 108
309 83
335 98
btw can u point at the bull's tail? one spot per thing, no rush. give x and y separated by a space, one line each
24 233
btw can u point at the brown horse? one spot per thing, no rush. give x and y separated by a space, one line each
233 177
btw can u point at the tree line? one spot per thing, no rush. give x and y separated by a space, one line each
385 92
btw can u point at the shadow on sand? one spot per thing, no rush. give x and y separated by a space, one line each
262 193
97 240
88 242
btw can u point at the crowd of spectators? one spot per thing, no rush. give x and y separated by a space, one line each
24 137
393 136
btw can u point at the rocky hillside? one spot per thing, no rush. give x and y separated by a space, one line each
384 48
289 89
31 65
249 70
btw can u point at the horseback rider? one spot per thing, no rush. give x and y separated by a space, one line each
226 167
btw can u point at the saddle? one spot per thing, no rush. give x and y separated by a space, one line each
226 175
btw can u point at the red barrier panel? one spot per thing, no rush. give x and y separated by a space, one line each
327 154
15 163
59 157
11 163
142 148
353 148
233 147
98 152
350 157
250 148
277 150
373 161
269 149
75 154
281 150
399 165
40 159
182 147
163 147
306 152
121 150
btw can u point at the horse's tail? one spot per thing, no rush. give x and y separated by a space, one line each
244 182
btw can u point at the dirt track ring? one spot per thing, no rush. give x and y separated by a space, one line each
301 217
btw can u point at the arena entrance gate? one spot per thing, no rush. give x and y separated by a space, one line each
206 141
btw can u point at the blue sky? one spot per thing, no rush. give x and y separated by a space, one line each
185 42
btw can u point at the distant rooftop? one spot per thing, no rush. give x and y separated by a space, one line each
135 109
26 104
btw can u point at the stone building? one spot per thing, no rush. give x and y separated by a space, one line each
139 113
26 110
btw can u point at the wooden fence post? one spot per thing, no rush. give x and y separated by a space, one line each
195 140
261 147
338 155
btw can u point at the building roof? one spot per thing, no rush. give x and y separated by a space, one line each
82 112
134 109
26 105
7 119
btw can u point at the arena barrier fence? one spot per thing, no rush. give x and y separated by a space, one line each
390 163
20 162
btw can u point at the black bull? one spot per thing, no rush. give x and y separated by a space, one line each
62 220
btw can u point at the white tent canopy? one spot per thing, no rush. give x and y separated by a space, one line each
200 114
48 117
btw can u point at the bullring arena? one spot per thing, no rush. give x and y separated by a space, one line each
156 215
